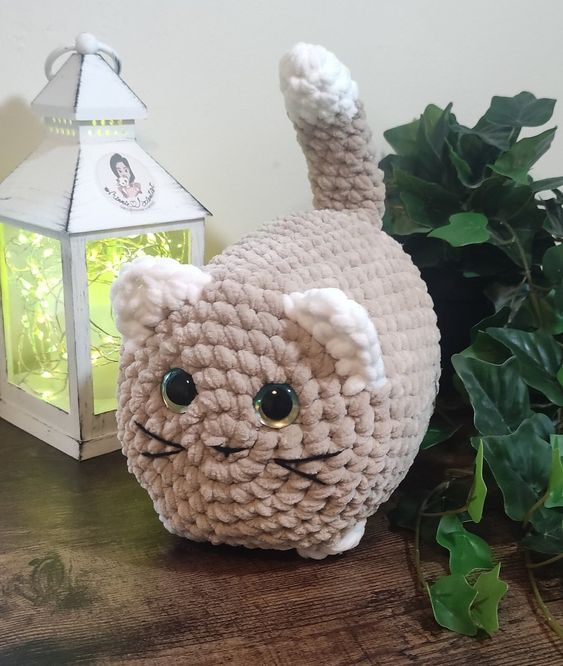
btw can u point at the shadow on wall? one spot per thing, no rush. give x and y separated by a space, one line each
214 243
20 133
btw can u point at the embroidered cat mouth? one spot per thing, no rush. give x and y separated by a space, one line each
289 464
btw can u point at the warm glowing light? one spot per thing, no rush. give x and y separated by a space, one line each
104 258
34 315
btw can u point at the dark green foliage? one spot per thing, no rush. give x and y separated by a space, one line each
462 200
470 187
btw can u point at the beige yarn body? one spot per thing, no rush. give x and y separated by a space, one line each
236 337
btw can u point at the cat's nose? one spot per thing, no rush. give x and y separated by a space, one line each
228 435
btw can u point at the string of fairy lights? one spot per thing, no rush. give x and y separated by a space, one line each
34 318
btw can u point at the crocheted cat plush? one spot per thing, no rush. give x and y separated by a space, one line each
276 397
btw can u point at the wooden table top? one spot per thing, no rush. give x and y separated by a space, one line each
89 575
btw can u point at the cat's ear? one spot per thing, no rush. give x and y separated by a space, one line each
347 332
148 289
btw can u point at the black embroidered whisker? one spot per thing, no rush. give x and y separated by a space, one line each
227 450
160 454
318 456
158 438
312 477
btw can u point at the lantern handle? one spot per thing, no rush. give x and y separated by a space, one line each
85 44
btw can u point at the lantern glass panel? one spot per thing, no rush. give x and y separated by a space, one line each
104 258
31 283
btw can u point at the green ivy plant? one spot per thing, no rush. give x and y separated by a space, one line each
462 200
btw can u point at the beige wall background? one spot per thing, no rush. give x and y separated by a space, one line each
208 72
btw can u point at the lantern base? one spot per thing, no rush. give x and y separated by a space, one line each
80 450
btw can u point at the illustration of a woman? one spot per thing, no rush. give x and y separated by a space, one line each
124 176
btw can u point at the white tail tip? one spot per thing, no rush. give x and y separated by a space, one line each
316 85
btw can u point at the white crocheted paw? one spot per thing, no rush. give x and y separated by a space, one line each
350 539
316 85
345 329
148 289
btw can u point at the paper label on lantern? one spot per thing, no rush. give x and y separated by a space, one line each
125 181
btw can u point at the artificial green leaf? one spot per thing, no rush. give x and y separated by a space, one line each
478 491
499 136
485 348
418 211
550 307
546 535
545 311
462 168
463 229
513 243
434 121
496 320
427 204
517 162
390 162
476 153
553 223
546 184
553 264
559 375
398 222
517 224
486 196
520 463
467 550
451 598
490 590
555 485
437 433
497 393
513 298
435 195
403 138
514 200
551 310
427 140
522 110
539 359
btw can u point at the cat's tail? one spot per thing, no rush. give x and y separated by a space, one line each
322 102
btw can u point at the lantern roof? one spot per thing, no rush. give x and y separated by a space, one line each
89 174
87 86
65 188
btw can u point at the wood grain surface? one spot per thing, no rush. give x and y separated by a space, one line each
89 575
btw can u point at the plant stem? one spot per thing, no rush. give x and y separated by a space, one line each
459 472
557 628
559 421
533 509
417 565
543 563
449 512
527 272
444 485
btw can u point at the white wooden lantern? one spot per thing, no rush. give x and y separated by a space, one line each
87 200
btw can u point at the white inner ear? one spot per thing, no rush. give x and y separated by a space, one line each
148 289
344 327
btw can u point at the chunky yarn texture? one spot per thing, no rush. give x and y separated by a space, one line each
323 301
